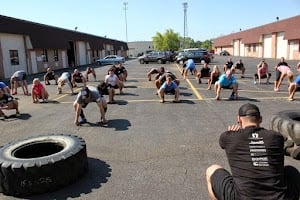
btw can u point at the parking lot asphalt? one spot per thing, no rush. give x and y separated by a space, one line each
149 150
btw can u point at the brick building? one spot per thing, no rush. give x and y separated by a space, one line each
274 40
34 47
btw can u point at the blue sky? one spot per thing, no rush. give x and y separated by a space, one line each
206 19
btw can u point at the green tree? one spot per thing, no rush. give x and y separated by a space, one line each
158 41
207 44
173 41
167 41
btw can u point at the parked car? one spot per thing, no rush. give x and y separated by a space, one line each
154 56
111 60
198 56
179 55
224 53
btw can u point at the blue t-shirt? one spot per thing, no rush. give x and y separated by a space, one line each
190 64
170 87
2 85
226 82
297 80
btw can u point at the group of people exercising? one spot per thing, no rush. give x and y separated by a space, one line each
114 79
258 174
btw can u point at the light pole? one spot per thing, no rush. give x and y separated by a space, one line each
185 5
125 9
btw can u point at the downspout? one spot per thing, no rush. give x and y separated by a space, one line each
26 55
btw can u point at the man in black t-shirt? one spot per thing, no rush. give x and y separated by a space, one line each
239 65
256 159
228 64
121 72
77 77
204 72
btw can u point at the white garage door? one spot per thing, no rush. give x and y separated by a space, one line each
236 48
82 53
242 49
267 46
281 49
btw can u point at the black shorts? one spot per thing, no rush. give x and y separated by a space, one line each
262 76
110 86
169 91
24 76
79 80
215 79
227 87
223 185
292 178
278 75
50 76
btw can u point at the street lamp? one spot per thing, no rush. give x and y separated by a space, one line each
125 9
185 5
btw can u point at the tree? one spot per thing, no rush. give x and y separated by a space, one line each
173 42
168 41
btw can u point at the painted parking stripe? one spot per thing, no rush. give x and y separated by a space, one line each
191 85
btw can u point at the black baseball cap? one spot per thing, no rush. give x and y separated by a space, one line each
249 110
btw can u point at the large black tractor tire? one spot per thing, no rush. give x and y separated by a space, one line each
41 164
288 124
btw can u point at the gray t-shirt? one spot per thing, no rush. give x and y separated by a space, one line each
20 75
82 97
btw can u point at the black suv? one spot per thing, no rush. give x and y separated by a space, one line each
197 55
154 56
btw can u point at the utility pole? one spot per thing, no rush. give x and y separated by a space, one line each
185 32
125 9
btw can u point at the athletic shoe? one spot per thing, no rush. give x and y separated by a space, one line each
18 114
199 80
82 121
255 82
231 97
291 99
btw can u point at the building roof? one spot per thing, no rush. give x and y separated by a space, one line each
50 37
254 35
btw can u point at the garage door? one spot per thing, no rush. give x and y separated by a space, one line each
281 49
267 46
236 48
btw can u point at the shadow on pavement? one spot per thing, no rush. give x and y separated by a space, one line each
186 94
24 116
118 124
98 174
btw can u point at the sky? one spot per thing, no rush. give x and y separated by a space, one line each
206 19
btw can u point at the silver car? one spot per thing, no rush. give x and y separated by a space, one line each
111 60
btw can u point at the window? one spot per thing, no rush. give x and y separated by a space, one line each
249 49
45 55
254 48
14 57
56 55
